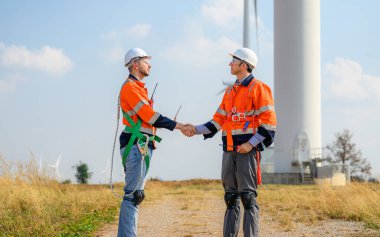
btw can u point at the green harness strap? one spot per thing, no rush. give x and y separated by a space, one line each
134 130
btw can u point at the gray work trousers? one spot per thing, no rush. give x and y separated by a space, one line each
239 176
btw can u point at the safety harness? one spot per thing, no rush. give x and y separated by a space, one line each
142 142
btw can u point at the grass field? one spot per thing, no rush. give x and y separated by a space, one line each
357 202
35 205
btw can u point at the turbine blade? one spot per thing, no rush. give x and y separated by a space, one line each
32 154
220 92
40 164
228 83
58 160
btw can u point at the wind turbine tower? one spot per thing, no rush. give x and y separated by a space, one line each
297 83
297 86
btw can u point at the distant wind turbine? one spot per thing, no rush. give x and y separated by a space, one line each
56 167
40 166
105 173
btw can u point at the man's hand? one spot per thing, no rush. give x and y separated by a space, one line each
245 148
187 129
151 102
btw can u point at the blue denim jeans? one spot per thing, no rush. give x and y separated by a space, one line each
134 180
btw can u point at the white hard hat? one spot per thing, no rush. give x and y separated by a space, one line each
247 55
134 53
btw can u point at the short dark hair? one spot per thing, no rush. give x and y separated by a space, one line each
249 69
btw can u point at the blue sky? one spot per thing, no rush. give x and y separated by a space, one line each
61 67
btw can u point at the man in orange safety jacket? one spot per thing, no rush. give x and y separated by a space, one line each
137 140
247 119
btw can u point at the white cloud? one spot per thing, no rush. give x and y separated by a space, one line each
117 40
348 81
223 12
47 59
141 30
355 95
228 15
136 31
196 48
113 54
201 51
372 83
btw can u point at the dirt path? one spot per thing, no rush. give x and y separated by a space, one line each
173 215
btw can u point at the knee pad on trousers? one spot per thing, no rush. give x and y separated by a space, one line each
248 199
138 197
231 200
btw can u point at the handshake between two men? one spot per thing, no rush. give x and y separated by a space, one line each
189 130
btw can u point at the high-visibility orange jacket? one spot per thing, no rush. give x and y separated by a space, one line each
135 102
246 109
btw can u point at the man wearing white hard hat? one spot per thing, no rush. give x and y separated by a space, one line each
138 139
247 119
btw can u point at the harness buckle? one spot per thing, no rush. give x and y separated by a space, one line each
238 117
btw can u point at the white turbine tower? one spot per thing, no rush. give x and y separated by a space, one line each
297 82
55 167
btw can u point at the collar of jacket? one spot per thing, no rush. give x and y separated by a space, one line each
135 79
245 82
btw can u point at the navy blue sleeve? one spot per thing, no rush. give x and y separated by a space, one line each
210 127
164 122
269 135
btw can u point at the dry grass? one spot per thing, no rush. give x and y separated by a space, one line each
309 204
34 204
